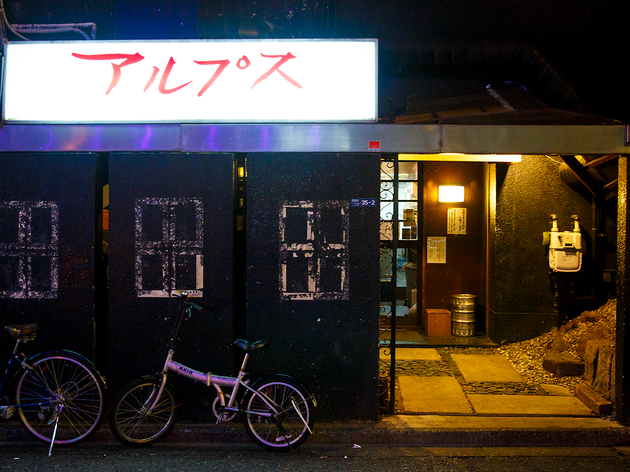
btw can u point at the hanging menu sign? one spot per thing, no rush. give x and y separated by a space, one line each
240 81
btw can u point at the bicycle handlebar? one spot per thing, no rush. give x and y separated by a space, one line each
184 295
185 306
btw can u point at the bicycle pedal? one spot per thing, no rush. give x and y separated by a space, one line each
6 412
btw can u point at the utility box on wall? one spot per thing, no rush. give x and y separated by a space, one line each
171 228
47 226
312 275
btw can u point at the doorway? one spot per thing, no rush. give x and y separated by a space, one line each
434 252
432 260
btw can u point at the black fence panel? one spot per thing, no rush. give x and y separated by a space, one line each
47 223
171 228
312 275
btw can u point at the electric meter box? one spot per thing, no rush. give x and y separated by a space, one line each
565 251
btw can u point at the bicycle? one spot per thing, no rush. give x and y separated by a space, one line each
276 410
59 396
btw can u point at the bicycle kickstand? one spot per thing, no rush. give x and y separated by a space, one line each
56 420
297 410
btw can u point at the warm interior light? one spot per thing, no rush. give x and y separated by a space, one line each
457 157
450 193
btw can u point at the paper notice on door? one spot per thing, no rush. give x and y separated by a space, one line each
456 221
436 250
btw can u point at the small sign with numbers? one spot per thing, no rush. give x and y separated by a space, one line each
363 202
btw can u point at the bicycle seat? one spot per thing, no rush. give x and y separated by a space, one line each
251 347
21 331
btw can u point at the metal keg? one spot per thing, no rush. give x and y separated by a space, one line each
463 307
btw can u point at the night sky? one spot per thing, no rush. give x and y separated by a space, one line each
582 40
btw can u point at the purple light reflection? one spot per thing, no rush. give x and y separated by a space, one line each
48 145
211 135
146 140
265 136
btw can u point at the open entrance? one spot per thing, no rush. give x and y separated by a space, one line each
433 235
433 253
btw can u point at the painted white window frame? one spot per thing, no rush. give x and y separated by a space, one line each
25 249
315 250
168 247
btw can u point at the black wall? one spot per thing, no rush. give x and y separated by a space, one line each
47 221
527 194
330 344
172 196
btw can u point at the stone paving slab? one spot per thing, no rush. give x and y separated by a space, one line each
432 395
415 354
557 390
529 405
486 368
503 423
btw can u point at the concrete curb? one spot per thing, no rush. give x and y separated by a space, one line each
434 431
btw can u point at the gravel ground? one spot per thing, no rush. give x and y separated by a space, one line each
527 356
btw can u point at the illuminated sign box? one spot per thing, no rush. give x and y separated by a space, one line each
239 81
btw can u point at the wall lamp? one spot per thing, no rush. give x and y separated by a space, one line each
450 193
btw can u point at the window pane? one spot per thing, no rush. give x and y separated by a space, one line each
387 210
152 272
386 230
9 224
185 219
152 220
331 226
297 273
9 273
41 226
330 273
408 191
41 273
387 191
296 225
387 170
185 272
410 206
408 217
408 171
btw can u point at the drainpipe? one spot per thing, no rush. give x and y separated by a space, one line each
60 28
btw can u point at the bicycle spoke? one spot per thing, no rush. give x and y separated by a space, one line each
130 420
287 428
61 382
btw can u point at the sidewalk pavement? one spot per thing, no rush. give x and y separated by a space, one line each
411 430
447 399
407 430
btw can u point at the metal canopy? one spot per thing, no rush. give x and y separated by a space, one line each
387 138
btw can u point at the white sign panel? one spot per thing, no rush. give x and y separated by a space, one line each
456 221
436 250
191 81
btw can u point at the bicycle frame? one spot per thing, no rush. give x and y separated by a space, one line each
9 373
276 410
207 378
217 381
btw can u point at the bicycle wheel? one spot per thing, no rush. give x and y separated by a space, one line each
129 419
287 429
62 389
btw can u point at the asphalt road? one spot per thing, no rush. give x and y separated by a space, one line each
96 457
